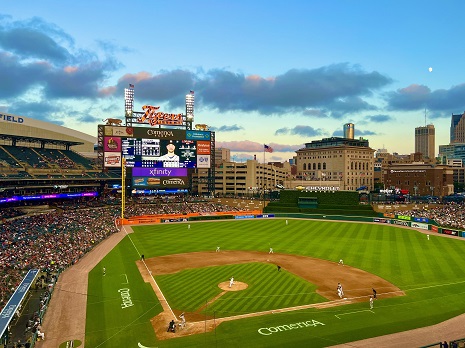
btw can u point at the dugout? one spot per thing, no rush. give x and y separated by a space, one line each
307 202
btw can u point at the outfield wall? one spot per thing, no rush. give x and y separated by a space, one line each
160 218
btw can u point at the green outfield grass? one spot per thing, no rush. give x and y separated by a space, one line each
430 272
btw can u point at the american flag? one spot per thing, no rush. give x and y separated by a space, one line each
131 85
267 148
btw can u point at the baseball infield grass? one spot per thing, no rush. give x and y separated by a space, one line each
120 304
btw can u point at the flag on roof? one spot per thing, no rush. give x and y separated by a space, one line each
268 148
131 85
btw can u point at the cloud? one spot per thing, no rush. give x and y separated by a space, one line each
379 118
43 111
40 57
441 102
304 131
254 147
232 128
340 86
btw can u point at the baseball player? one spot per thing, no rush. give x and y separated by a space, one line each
217 249
341 262
371 302
231 282
271 251
339 290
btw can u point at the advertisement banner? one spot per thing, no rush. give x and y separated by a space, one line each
420 225
112 159
385 221
401 223
421 219
112 144
118 131
434 228
159 133
203 147
197 135
159 171
403 217
450 232
203 161
389 215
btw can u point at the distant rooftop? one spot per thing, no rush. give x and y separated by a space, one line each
337 141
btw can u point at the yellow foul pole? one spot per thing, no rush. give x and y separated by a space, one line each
123 186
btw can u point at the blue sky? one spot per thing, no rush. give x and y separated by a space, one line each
277 72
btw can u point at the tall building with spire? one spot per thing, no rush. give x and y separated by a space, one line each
424 140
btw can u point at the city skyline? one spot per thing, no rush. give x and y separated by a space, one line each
263 72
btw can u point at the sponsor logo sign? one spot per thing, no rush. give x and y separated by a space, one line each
419 225
203 161
401 223
126 298
434 228
244 216
266 331
112 159
389 215
421 219
403 217
384 221
159 133
122 131
176 182
197 135
112 144
450 232
136 171
203 147
265 216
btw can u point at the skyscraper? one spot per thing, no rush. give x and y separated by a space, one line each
457 128
424 140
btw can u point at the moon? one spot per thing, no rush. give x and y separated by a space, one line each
430 69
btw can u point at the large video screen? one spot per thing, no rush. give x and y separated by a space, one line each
156 158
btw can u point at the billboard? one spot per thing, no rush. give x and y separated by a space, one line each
156 158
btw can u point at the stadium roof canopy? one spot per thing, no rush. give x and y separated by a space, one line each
15 138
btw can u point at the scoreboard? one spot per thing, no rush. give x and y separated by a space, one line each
156 158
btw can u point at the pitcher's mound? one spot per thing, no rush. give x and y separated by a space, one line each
237 286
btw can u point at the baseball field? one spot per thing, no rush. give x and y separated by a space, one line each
419 282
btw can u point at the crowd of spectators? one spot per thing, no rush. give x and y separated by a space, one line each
55 240
446 215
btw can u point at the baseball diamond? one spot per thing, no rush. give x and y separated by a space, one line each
181 271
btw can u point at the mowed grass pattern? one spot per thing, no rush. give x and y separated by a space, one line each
191 290
431 273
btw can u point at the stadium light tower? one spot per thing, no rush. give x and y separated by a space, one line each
128 100
190 109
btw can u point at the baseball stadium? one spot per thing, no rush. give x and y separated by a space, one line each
109 248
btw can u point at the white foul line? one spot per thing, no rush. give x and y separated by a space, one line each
364 310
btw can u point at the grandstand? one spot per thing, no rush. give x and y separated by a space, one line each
39 158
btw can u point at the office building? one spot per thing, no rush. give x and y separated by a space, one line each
424 140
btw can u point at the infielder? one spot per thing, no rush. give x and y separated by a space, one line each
217 249
371 302
271 251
